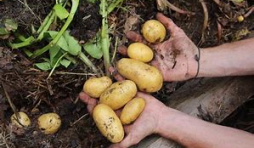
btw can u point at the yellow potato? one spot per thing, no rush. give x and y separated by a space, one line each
108 123
95 86
153 31
49 123
140 51
22 121
146 77
132 110
118 94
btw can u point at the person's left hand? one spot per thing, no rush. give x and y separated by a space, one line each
146 123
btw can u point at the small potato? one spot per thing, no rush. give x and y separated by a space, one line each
132 110
23 120
153 31
147 78
95 86
140 51
49 123
118 94
108 123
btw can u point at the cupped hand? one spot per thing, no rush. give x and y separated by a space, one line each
175 57
146 124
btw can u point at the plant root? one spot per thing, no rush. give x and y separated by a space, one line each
163 4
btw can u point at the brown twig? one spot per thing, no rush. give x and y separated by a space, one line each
219 31
249 12
163 4
205 23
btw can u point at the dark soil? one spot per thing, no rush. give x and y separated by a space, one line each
32 93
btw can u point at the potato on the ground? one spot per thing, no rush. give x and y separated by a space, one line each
153 31
20 121
118 94
49 123
140 51
147 77
108 123
132 110
95 86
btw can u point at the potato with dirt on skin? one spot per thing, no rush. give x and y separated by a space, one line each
108 123
118 94
153 31
21 121
140 51
147 77
49 123
132 110
95 86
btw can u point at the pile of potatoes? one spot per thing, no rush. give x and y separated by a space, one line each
48 123
140 76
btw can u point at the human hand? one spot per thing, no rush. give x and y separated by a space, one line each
146 123
175 57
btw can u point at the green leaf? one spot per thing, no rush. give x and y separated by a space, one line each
61 12
43 66
11 24
74 47
4 31
93 47
61 42
65 63
54 54
53 51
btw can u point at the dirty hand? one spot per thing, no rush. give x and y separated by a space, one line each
146 124
175 57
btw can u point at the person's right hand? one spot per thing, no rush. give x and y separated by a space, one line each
175 57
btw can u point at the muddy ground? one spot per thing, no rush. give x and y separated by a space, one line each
32 93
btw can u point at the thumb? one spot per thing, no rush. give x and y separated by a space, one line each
128 141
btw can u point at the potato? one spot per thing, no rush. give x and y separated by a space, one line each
147 78
140 51
132 110
118 94
23 120
108 123
153 31
95 86
49 123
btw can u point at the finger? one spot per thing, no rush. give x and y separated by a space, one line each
127 142
127 129
122 50
91 102
134 36
168 23
145 96
118 112
115 74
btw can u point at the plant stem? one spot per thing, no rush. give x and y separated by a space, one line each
44 22
84 58
105 36
26 42
74 7
46 26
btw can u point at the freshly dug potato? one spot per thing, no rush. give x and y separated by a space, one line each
49 123
147 78
95 86
108 123
132 110
140 51
118 94
23 120
153 31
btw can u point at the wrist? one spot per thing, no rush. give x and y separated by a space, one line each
166 121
